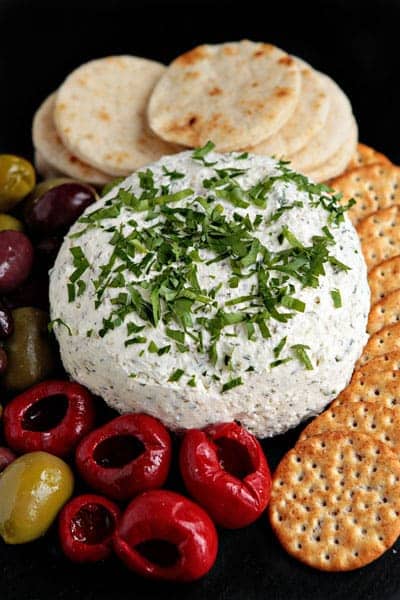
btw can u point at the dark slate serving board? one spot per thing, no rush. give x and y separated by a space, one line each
356 43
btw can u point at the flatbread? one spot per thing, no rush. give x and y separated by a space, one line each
338 162
380 235
371 418
48 143
44 169
100 114
385 312
374 187
236 94
335 500
308 117
332 136
384 279
365 155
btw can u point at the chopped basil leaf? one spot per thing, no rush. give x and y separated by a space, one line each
337 298
232 383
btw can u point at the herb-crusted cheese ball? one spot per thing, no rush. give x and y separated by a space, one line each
212 287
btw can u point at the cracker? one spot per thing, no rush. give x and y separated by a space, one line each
48 143
383 387
309 116
372 418
382 342
338 162
385 362
335 500
100 114
385 312
365 155
384 279
236 94
374 187
332 136
380 235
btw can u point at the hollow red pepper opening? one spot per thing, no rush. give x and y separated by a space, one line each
163 535
224 468
86 527
52 416
128 455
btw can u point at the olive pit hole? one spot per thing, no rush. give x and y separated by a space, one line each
159 552
45 414
234 458
117 451
92 524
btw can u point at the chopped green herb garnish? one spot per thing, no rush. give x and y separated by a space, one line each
192 381
173 174
302 356
232 383
201 153
279 361
176 375
55 322
337 298
278 349
136 340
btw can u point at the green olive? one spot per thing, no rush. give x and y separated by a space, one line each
31 357
33 489
17 180
7 223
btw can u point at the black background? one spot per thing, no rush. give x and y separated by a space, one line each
357 43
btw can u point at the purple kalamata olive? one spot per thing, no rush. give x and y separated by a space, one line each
32 292
16 258
46 251
55 205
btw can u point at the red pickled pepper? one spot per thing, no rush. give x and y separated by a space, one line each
225 470
52 416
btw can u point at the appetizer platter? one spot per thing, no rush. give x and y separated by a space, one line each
201 259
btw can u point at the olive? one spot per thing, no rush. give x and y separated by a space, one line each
46 251
55 205
34 291
33 489
17 180
7 223
6 458
31 357
6 323
16 258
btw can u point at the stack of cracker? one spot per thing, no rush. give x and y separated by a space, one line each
335 501
114 115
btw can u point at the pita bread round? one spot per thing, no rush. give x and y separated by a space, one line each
338 162
47 142
100 114
333 135
236 94
44 169
308 117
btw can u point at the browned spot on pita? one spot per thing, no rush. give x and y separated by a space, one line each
229 50
61 106
286 60
255 84
281 92
103 115
67 129
216 91
73 159
191 75
193 56
82 80
263 50
192 121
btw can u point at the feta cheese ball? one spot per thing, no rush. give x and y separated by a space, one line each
212 287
